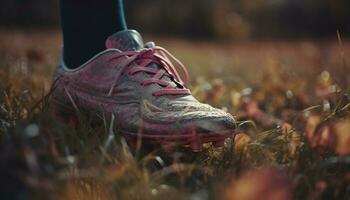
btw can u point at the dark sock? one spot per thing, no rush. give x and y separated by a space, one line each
86 24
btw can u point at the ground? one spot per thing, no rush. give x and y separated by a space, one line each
289 97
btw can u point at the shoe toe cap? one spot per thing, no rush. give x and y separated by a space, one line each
187 119
223 123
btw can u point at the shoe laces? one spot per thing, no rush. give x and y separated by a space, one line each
159 56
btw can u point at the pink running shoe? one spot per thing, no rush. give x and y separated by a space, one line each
138 87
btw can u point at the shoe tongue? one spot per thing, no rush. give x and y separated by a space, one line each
127 40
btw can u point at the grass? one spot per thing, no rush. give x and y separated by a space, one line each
290 99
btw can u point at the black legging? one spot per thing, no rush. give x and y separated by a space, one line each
86 24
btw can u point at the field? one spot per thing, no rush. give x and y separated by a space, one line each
290 99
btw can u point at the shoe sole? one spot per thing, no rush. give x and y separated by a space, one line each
195 141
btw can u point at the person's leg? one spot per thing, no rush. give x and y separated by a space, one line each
85 26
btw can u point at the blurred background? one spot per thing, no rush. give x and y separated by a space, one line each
208 19
264 61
